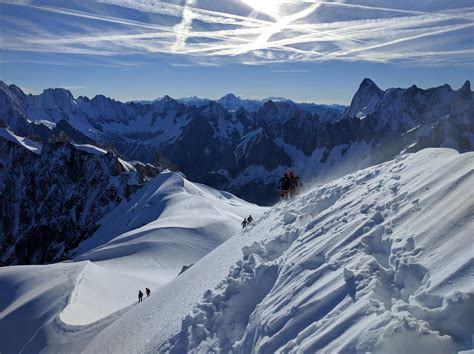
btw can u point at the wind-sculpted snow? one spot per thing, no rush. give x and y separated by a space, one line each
376 261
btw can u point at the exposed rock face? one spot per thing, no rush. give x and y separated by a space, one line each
53 200
365 100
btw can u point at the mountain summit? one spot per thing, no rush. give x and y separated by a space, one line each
365 100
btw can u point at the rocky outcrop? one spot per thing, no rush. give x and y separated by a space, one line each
53 200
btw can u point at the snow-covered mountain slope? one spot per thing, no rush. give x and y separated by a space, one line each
144 242
205 140
169 223
377 261
380 260
33 146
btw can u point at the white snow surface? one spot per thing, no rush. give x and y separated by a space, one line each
91 149
144 242
29 144
380 261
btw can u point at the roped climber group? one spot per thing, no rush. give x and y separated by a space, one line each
246 222
140 294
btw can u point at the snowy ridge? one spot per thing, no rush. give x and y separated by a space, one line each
376 261
90 149
171 222
232 102
144 241
29 144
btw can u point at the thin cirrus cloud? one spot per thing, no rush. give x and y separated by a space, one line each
254 32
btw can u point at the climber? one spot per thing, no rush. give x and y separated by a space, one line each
249 219
284 185
244 223
148 292
140 296
294 184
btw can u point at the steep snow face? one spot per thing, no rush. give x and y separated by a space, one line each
376 261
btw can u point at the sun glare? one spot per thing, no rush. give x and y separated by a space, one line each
269 7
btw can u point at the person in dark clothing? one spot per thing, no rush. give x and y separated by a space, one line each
140 296
148 292
294 184
285 184
244 223
249 219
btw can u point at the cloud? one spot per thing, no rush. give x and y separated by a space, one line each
202 32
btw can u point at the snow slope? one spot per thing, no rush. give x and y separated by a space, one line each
380 260
377 261
144 242
22 141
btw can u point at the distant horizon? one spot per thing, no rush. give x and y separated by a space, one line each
304 50
158 97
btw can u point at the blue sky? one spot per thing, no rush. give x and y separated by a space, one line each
306 50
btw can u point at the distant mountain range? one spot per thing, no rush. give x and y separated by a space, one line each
246 150
232 102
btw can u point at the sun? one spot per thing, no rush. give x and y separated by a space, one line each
269 7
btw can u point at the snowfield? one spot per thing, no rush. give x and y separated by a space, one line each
380 260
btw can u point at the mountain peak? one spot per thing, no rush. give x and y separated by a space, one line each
269 105
58 93
364 100
368 83
101 99
466 87
230 96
